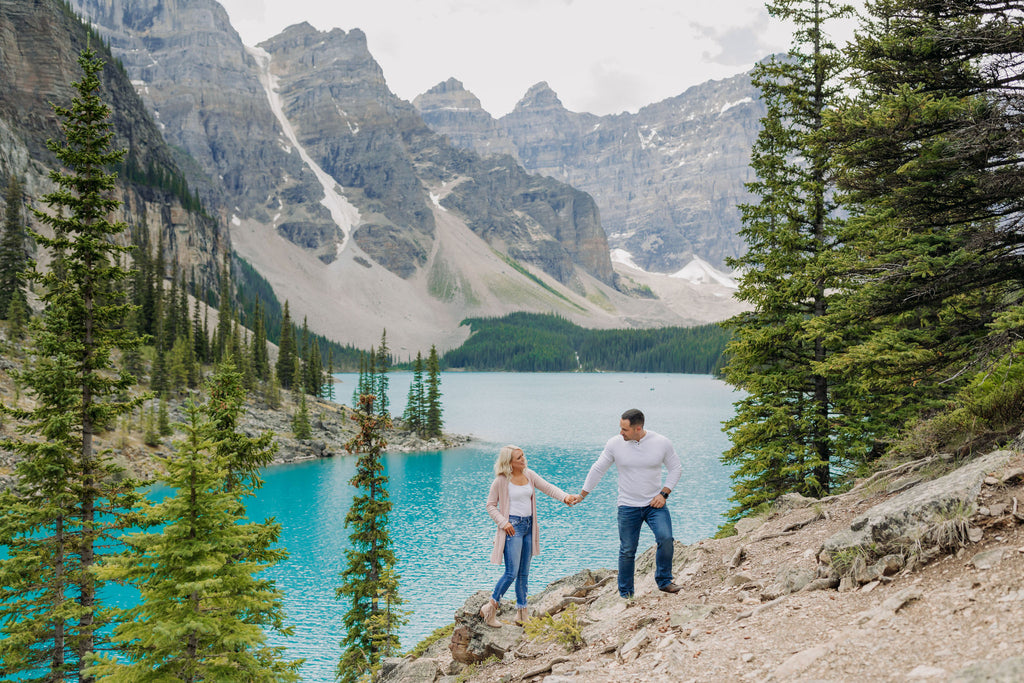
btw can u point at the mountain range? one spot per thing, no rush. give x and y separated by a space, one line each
358 212
666 179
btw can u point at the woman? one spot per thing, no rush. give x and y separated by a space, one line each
512 505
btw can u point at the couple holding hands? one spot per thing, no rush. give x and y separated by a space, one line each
639 456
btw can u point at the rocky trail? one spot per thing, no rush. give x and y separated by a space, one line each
916 574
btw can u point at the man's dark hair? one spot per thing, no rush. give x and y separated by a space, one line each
634 416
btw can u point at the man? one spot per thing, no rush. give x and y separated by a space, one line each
639 455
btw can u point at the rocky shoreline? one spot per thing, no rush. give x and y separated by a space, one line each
331 423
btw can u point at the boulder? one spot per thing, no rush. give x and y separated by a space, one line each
474 641
405 670
1008 670
922 519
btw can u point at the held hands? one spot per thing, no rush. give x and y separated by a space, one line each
572 499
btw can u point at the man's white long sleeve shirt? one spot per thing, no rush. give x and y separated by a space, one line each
639 464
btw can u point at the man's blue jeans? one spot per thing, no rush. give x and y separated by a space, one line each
518 551
630 521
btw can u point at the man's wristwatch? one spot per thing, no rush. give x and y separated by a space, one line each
664 494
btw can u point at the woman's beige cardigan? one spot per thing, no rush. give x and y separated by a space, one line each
498 503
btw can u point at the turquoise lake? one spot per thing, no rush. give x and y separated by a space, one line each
441 531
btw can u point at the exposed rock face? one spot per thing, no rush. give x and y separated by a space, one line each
448 107
667 179
39 47
191 69
203 86
378 148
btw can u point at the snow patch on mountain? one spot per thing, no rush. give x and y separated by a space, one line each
699 271
624 257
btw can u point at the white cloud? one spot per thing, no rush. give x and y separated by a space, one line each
601 56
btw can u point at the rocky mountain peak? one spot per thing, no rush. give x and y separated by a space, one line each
539 97
449 96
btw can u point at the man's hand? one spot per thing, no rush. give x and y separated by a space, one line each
658 501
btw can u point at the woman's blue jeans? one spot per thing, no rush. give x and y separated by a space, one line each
630 521
518 551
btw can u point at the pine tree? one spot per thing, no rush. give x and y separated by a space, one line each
315 371
434 424
303 351
225 313
199 336
330 374
286 351
360 387
416 403
369 582
260 357
301 428
784 431
18 314
69 498
203 609
930 151
380 388
163 421
150 430
158 326
159 374
14 257
244 456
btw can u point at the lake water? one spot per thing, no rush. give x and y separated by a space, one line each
440 528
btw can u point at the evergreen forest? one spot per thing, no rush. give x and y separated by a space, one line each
533 342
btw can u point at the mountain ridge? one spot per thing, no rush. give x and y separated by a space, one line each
667 179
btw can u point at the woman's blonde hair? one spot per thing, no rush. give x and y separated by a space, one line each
503 465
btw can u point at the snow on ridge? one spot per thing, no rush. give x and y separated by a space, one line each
726 107
624 257
700 272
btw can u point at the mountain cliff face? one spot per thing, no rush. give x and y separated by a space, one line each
378 148
667 179
204 87
337 192
39 47
201 85
449 108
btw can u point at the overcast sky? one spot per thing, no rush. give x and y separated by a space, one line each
600 56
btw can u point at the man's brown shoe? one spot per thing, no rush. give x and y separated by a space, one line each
670 588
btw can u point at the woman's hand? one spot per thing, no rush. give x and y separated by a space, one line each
509 529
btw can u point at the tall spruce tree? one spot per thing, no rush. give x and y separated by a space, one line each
329 395
381 381
369 582
286 351
930 152
225 313
203 609
433 414
260 356
244 456
70 498
415 404
14 258
784 431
